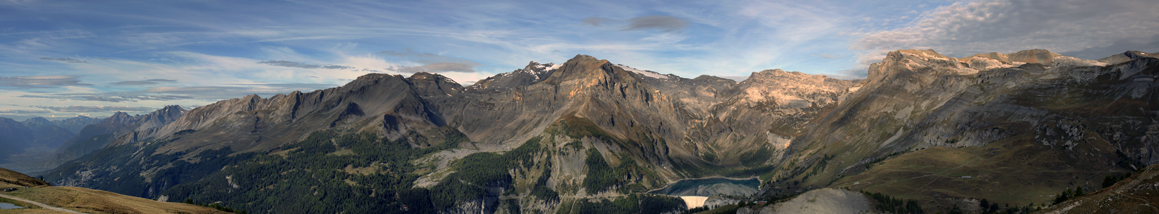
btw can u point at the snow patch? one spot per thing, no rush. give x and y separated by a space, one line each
645 73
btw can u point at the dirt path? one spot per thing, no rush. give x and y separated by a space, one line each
44 206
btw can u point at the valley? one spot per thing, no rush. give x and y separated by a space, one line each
589 136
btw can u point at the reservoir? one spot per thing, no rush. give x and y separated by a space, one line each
8 206
711 186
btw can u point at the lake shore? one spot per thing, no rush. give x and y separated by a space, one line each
671 184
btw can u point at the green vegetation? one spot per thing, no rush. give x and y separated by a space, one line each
756 158
993 208
307 178
1110 180
541 191
1069 194
480 170
601 176
890 204
216 206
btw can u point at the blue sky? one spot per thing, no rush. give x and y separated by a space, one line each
68 58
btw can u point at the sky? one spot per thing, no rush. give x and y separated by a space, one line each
62 59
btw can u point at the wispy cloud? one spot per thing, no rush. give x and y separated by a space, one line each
40 81
145 82
827 56
115 97
596 21
66 59
234 91
982 26
430 62
96 108
656 22
19 111
292 64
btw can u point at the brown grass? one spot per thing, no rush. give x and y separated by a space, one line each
1016 171
97 201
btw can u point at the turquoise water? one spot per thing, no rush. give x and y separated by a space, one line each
684 186
8 206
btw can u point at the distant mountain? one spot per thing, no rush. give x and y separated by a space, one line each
46 133
75 124
17 138
590 135
96 136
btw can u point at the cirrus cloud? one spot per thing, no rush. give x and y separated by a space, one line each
40 81
1007 26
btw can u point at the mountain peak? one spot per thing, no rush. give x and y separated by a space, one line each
1040 56
581 57
434 84
1128 56
119 117
585 67
36 121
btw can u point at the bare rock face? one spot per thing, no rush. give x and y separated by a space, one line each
819 201
533 73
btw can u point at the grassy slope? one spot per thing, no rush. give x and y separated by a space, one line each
1015 171
1132 195
96 201
85 200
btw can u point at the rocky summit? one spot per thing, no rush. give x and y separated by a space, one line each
589 135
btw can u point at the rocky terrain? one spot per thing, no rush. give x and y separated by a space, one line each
817 201
588 134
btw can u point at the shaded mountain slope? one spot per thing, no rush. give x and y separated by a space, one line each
1018 129
1134 194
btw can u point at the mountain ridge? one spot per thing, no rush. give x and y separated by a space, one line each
794 131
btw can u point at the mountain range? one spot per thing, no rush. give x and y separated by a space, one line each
588 135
